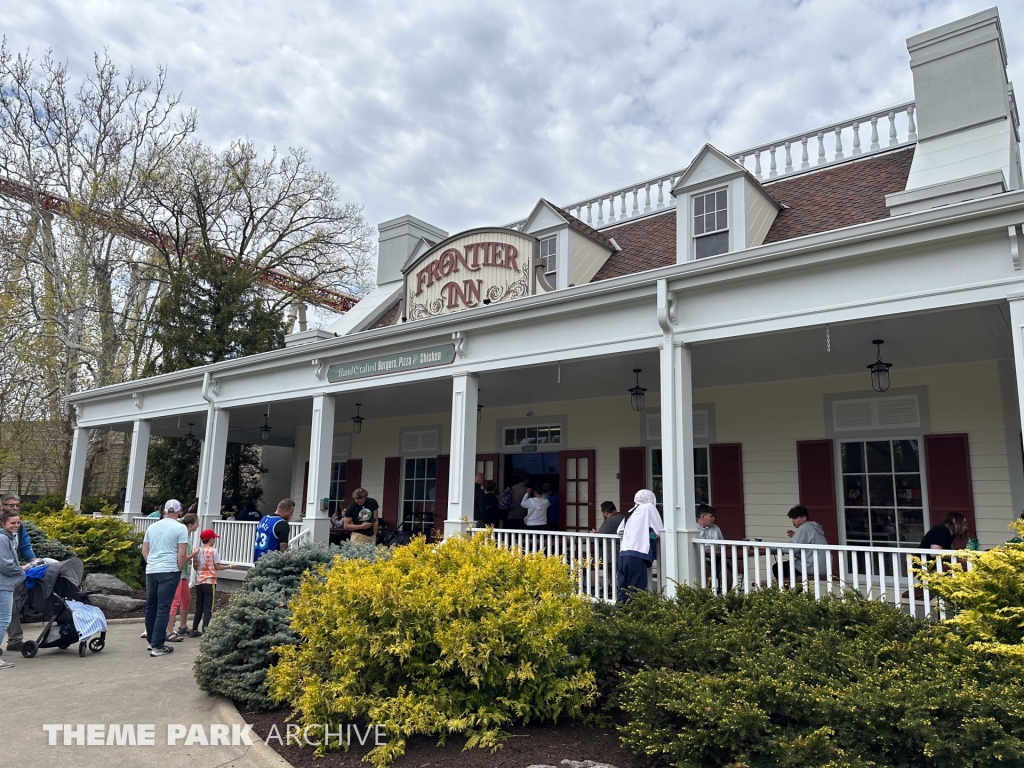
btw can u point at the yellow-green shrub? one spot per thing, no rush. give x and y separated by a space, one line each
458 637
989 598
105 544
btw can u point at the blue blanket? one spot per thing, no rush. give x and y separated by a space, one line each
32 575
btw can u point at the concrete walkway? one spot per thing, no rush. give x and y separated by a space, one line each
122 684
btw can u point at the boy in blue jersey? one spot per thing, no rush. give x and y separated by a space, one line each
272 530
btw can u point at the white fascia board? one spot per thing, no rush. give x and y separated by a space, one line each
987 214
367 310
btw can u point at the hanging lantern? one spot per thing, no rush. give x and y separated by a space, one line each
190 439
357 421
879 369
479 413
636 394
265 429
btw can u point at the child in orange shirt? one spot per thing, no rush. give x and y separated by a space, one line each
206 561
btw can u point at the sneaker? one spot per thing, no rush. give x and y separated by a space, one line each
195 633
15 647
163 651
149 647
5 664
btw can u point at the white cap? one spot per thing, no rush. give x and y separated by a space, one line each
173 505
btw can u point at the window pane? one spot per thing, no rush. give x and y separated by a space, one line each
857 524
880 491
701 494
410 467
709 222
531 435
908 491
431 484
698 205
879 459
712 245
700 461
431 467
521 436
720 199
409 486
911 525
698 225
852 457
556 434
510 437
723 220
656 461
853 489
883 525
905 457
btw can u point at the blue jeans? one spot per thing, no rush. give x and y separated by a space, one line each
6 609
160 589
632 575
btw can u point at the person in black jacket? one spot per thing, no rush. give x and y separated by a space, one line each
478 497
489 515
943 534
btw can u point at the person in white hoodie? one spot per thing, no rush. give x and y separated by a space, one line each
639 529
807 532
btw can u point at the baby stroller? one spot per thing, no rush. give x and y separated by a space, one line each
55 592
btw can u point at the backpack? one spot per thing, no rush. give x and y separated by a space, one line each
505 501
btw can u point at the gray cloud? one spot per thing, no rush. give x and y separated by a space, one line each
464 113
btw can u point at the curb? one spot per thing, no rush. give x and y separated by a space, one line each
259 754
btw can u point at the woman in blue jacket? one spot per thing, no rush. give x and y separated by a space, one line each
23 547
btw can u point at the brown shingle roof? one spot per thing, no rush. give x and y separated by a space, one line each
851 193
646 244
389 317
842 196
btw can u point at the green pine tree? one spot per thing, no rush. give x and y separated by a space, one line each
211 311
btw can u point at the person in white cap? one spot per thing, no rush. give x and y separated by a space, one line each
639 530
164 549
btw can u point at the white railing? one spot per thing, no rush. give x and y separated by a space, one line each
238 539
828 144
878 573
594 556
141 523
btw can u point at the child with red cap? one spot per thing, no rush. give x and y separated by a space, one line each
207 563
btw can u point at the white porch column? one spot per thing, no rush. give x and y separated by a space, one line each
1017 331
465 389
677 463
211 466
76 467
137 468
321 447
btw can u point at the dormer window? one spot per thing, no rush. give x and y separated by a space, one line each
549 253
710 223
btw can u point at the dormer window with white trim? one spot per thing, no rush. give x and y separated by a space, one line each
549 254
710 223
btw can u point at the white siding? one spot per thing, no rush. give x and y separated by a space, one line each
761 212
587 257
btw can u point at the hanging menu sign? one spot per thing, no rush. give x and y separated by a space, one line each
431 357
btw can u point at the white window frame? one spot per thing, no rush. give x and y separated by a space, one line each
837 461
401 509
650 472
550 259
556 420
694 237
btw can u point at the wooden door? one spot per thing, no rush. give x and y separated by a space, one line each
577 490
488 464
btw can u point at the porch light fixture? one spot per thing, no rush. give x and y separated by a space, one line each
265 429
190 439
879 369
357 421
479 413
636 394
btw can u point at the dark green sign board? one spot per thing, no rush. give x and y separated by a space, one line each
432 357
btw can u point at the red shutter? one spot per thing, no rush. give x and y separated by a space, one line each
817 480
441 495
948 465
353 478
726 469
392 492
632 475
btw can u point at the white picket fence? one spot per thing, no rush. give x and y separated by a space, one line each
884 574
237 537
594 556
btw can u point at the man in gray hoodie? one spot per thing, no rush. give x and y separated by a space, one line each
807 532
11 574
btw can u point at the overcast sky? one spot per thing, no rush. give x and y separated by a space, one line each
465 113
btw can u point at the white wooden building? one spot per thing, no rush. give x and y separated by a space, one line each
747 289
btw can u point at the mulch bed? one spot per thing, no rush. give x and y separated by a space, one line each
530 745
219 603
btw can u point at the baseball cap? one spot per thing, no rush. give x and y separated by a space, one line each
209 533
172 505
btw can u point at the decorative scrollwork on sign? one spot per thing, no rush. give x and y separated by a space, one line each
319 363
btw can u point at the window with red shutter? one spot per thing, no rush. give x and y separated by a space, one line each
441 497
726 470
948 465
